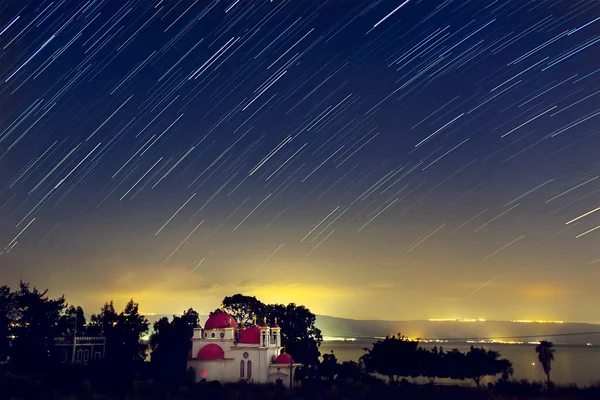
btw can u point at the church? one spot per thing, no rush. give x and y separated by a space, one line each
225 352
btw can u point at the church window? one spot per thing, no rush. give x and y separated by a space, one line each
249 369
86 355
242 369
79 355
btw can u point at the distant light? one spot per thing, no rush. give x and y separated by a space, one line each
338 339
457 320
204 372
533 364
588 344
529 321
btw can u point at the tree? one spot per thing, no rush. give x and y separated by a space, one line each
453 364
129 327
7 316
299 334
480 363
170 344
507 369
350 370
37 323
431 363
244 308
545 354
329 367
395 356
101 324
73 322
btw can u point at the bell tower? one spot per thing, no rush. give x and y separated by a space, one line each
275 335
265 334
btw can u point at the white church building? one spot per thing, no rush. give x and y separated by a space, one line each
224 352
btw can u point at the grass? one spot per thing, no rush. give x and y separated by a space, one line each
69 385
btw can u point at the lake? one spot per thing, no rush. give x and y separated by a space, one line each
572 364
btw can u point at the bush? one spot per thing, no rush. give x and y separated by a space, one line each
521 387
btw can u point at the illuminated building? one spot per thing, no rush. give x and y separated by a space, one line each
80 349
224 352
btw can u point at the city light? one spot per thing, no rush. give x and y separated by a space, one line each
457 320
529 321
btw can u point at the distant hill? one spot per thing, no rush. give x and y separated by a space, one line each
333 327
341 327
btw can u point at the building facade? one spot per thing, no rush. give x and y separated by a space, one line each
80 349
225 352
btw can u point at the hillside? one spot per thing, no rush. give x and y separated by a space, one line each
334 327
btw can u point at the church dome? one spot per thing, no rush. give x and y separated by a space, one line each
250 335
284 359
211 352
220 320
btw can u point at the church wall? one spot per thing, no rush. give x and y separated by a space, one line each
211 370
280 372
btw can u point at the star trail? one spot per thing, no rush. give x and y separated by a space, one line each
385 158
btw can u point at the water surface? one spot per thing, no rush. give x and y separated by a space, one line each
573 364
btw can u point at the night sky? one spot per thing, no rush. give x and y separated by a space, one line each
382 159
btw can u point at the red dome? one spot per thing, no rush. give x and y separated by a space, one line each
284 359
250 335
219 321
211 352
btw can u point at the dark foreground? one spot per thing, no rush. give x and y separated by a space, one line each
68 385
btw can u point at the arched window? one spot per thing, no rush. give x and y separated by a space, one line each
249 369
79 355
86 355
242 369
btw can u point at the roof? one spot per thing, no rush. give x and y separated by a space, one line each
250 335
211 351
220 320
284 359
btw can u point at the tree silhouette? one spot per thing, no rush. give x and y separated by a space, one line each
7 316
244 308
545 352
103 323
350 370
431 363
170 344
453 364
298 331
73 322
480 363
395 356
328 368
37 323
130 327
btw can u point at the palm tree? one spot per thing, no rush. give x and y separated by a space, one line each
545 354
